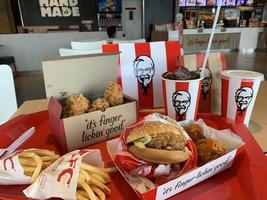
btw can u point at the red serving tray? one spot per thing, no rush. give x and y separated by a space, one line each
244 180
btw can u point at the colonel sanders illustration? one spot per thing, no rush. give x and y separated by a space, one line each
206 83
243 97
181 101
144 70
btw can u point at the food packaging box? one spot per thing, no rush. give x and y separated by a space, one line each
89 75
147 190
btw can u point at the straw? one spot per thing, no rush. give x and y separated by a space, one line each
211 38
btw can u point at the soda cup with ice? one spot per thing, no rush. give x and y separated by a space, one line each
181 92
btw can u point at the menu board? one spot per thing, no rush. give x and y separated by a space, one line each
211 2
201 3
240 2
190 2
250 2
230 2
223 2
181 3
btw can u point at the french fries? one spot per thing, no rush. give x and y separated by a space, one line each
34 161
92 182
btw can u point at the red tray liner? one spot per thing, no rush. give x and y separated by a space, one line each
244 180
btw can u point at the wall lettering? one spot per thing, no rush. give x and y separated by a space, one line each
59 8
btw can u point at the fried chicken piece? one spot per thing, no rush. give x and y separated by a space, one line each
113 93
208 149
195 132
99 104
76 104
167 141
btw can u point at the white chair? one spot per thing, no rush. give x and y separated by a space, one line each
129 41
88 45
75 52
8 101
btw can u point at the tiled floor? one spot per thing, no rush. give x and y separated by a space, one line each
32 86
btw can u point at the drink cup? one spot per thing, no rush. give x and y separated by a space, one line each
181 98
239 92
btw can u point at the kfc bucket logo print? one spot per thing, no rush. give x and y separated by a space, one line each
243 97
206 83
141 68
144 70
181 101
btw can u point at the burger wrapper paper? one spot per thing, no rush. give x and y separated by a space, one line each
11 171
143 184
61 177
139 173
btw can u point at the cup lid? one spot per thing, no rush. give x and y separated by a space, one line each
242 74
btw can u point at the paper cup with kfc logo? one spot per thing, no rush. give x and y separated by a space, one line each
239 92
181 97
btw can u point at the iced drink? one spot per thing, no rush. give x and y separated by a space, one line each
181 92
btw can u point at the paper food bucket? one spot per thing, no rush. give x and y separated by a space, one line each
239 92
210 98
141 66
181 98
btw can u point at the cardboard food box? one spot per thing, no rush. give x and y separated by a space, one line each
146 189
89 75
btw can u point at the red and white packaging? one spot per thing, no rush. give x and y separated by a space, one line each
89 77
141 67
239 92
61 177
147 189
131 164
210 100
11 171
181 98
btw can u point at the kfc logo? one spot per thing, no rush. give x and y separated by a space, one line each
243 97
10 161
206 82
144 70
181 101
72 165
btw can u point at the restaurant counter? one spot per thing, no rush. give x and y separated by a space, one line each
230 38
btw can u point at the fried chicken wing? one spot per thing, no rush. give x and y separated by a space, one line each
76 104
113 93
208 149
195 132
